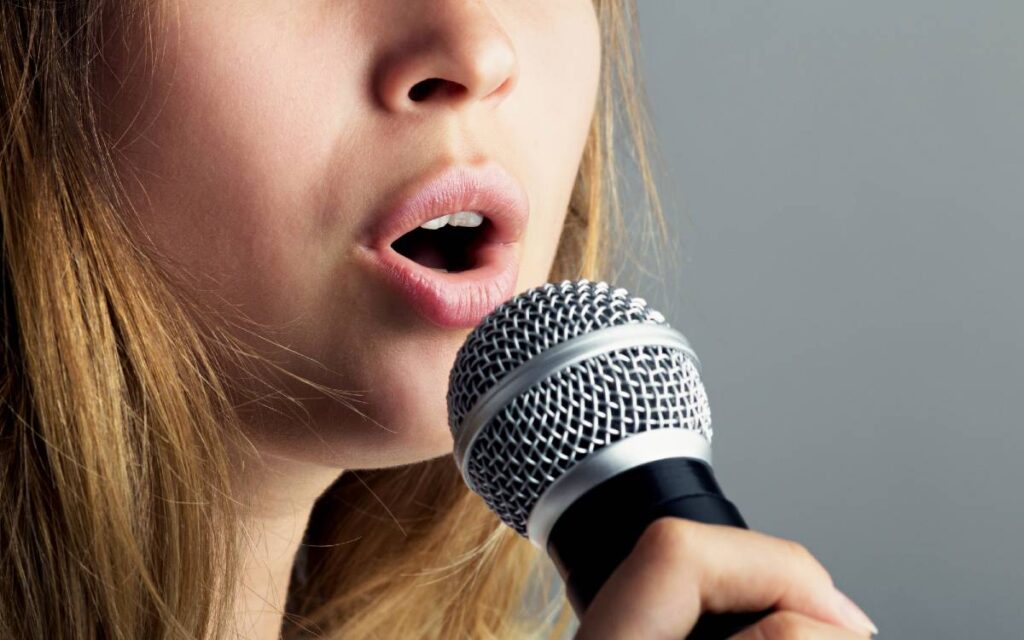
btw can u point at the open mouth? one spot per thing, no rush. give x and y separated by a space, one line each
449 244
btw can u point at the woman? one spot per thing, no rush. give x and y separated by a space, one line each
226 351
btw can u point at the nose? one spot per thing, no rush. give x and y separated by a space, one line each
453 53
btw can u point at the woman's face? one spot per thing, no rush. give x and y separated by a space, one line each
273 139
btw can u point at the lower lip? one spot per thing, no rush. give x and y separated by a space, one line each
452 300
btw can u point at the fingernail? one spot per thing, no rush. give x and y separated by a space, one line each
853 614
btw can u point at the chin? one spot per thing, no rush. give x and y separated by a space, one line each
400 418
418 431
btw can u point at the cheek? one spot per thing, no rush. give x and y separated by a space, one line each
223 154
558 85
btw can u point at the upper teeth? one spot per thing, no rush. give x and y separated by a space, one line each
457 219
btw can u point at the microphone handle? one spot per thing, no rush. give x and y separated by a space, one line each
596 533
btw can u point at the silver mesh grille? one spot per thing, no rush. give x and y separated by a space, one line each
532 322
567 415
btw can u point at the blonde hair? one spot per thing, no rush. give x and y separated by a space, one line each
117 418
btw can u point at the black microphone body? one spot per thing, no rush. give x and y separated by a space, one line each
586 545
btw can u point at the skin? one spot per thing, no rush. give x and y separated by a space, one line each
270 134
255 152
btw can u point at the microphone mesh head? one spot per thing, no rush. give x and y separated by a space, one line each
567 415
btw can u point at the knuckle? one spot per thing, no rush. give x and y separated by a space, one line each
805 560
667 539
799 552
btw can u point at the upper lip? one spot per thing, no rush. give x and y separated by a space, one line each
485 188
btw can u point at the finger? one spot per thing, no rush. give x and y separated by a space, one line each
788 625
680 568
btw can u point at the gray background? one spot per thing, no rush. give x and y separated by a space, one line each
845 183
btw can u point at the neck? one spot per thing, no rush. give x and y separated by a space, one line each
279 495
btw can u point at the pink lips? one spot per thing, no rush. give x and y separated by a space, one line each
460 299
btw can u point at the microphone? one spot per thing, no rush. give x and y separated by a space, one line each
579 416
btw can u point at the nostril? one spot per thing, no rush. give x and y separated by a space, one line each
431 86
424 89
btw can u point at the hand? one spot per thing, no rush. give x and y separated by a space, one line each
681 568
